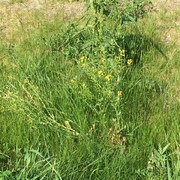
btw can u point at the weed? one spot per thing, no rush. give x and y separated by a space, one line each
90 99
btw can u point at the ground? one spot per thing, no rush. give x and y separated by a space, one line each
14 15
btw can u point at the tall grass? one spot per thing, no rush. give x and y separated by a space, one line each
90 100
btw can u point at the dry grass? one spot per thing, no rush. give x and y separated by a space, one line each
28 15
14 16
167 17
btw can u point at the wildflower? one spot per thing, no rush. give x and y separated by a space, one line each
73 80
84 85
108 77
129 61
119 93
122 52
100 73
82 59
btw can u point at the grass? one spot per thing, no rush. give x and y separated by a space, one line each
73 107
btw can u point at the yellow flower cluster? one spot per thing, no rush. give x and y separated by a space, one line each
129 61
84 85
100 73
108 77
122 52
119 93
82 59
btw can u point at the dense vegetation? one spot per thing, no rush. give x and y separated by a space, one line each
91 98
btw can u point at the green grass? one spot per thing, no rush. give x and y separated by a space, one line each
72 108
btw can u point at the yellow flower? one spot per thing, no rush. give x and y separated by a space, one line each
84 85
82 59
122 52
129 61
100 73
108 77
73 80
119 93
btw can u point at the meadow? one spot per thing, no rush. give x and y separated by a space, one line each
90 95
